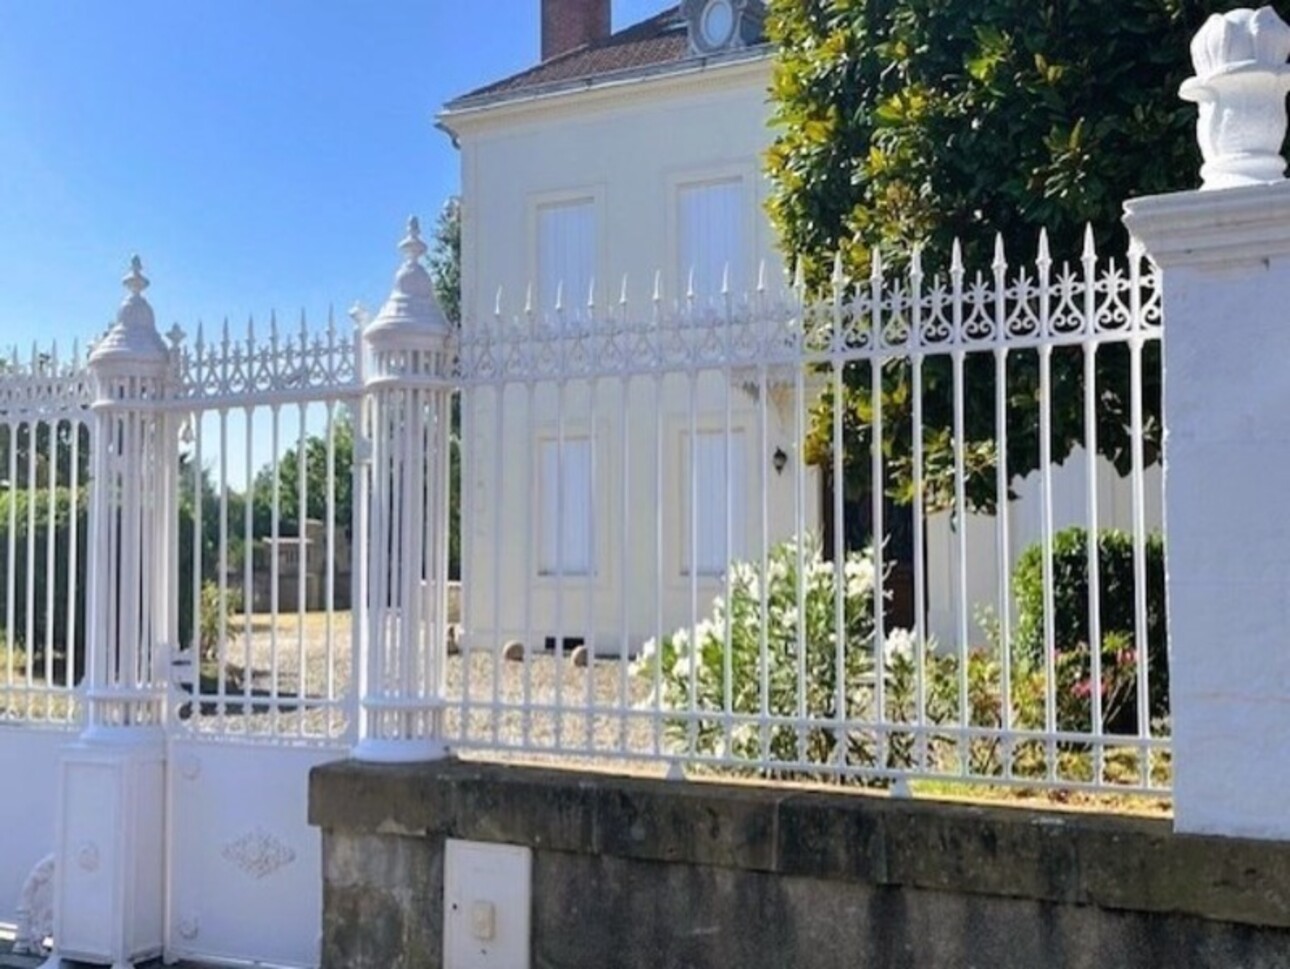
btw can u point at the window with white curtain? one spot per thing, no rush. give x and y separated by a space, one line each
718 493
567 504
711 233
566 255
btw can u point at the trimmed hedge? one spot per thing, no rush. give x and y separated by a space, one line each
1116 601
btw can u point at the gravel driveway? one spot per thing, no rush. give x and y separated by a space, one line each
511 708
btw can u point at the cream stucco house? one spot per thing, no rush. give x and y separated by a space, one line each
634 155
637 154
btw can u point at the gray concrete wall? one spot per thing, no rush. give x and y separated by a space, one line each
639 873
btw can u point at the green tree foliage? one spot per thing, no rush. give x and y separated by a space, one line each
903 122
445 260
913 122
316 466
199 538
19 442
445 270
26 518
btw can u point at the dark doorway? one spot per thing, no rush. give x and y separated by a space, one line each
898 553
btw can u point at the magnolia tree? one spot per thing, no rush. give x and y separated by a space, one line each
903 123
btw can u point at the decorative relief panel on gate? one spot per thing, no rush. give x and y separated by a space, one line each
258 853
36 910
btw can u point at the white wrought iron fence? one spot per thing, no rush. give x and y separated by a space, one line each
787 535
45 450
682 545
678 542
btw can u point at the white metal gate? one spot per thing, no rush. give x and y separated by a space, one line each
180 643
241 548
261 689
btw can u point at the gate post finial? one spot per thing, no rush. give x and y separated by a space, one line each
1240 86
132 341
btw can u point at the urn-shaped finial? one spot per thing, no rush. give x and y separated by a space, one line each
1238 38
1240 85
411 316
132 342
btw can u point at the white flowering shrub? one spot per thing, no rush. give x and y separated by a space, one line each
823 702
714 672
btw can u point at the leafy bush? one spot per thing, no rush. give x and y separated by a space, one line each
1116 604
691 666
26 518
708 686
694 673
212 613
29 512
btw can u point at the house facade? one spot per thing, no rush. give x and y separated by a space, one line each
627 167
625 162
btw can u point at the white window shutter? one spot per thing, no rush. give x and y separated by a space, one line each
567 507
710 237
566 256
720 499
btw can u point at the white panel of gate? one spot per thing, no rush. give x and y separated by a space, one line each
246 868
29 760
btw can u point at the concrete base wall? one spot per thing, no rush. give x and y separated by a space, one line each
636 873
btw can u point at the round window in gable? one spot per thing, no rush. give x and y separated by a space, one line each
718 23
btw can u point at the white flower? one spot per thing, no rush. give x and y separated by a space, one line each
859 573
777 571
741 737
707 629
684 665
643 664
898 644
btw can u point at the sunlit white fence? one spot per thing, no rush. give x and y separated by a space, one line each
679 547
675 545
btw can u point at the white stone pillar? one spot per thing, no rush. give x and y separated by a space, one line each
409 382
1225 258
109 871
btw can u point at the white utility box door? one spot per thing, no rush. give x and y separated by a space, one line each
487 901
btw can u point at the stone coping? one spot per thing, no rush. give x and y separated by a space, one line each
1118 863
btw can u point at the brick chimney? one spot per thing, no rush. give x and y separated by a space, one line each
568 24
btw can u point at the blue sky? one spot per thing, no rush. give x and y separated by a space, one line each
258 155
